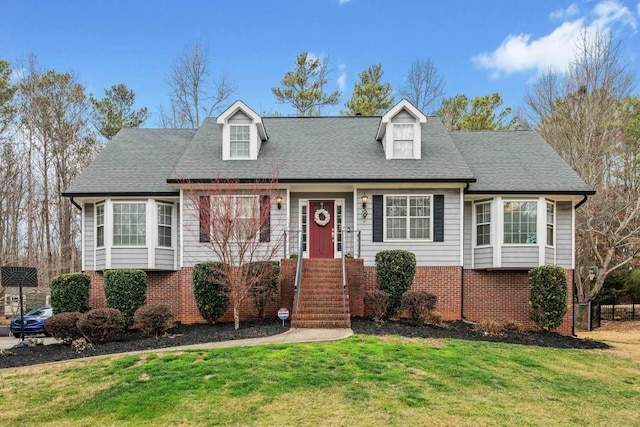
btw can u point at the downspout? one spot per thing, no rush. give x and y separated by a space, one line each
74 203
466 187
581 202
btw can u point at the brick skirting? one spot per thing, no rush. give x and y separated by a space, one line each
494 295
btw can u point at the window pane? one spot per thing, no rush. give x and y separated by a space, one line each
129 224
164 225
100 225
483 224
403 132
420 228
408 217
520 222
402 149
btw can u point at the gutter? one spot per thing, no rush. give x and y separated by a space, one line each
582 202
74 203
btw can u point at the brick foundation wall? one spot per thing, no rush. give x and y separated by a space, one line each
175 288
441 281
504 295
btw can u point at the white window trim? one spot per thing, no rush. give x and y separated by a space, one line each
171 226
303 227
251 135
475 224
336 203
546 224
526 245
104 215
112 221
407 239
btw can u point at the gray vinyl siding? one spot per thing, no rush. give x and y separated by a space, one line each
520 256
129 257
483 257
194 251
403 117
445 253
549 255
564 254
468 233
89 237
240 118
164 258
101 259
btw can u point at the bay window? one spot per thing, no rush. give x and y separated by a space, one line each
520 222
129 224
483 223
164 225
551 215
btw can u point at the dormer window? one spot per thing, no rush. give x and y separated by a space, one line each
400 131
242 132
239 140
402 141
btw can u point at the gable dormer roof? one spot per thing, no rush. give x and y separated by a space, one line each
240 106
400 106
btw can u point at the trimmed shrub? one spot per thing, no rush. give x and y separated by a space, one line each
101 325
154 319
394 273
70 293
548 297
489 327
210 290
126 291
418 305
378 302
265 281
63 326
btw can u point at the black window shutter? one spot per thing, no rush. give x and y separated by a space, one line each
378 218
265 218
205 218
438 218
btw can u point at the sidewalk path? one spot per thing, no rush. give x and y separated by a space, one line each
291 336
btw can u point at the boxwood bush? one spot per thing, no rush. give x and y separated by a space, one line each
126 291
548 296
101 325
70 292
265 283
210 290
63 326
394 273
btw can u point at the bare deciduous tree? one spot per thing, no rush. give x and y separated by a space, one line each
193 96
423 86
235 222
581 115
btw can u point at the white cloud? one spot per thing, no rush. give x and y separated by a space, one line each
554 51
572 10
342 77
343 2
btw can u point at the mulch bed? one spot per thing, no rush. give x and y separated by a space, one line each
195 334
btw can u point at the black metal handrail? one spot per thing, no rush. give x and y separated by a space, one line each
344 290
296 285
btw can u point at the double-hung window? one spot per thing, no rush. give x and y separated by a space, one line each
520 222
129 224
551 220
164 225
100 225
483 223
239 139
403 141
408 217
235 217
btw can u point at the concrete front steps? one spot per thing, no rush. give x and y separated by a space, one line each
320 303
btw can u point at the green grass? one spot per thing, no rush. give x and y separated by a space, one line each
359 381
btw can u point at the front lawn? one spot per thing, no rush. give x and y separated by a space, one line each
367 381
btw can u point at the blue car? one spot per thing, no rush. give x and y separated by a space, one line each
33 322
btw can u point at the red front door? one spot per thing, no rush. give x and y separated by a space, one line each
321 230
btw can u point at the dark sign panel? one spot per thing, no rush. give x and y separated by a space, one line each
19 276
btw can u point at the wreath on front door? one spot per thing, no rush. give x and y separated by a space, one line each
321 217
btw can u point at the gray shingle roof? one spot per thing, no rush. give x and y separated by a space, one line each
516 161
135 161
329 149
323 149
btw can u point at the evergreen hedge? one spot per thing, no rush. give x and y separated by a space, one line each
394 273
210 290
548 296
125 290
70 293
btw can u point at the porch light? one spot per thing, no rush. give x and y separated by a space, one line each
279 201
364 199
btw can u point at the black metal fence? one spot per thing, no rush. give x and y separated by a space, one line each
619 308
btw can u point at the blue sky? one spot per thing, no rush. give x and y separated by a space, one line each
478 47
